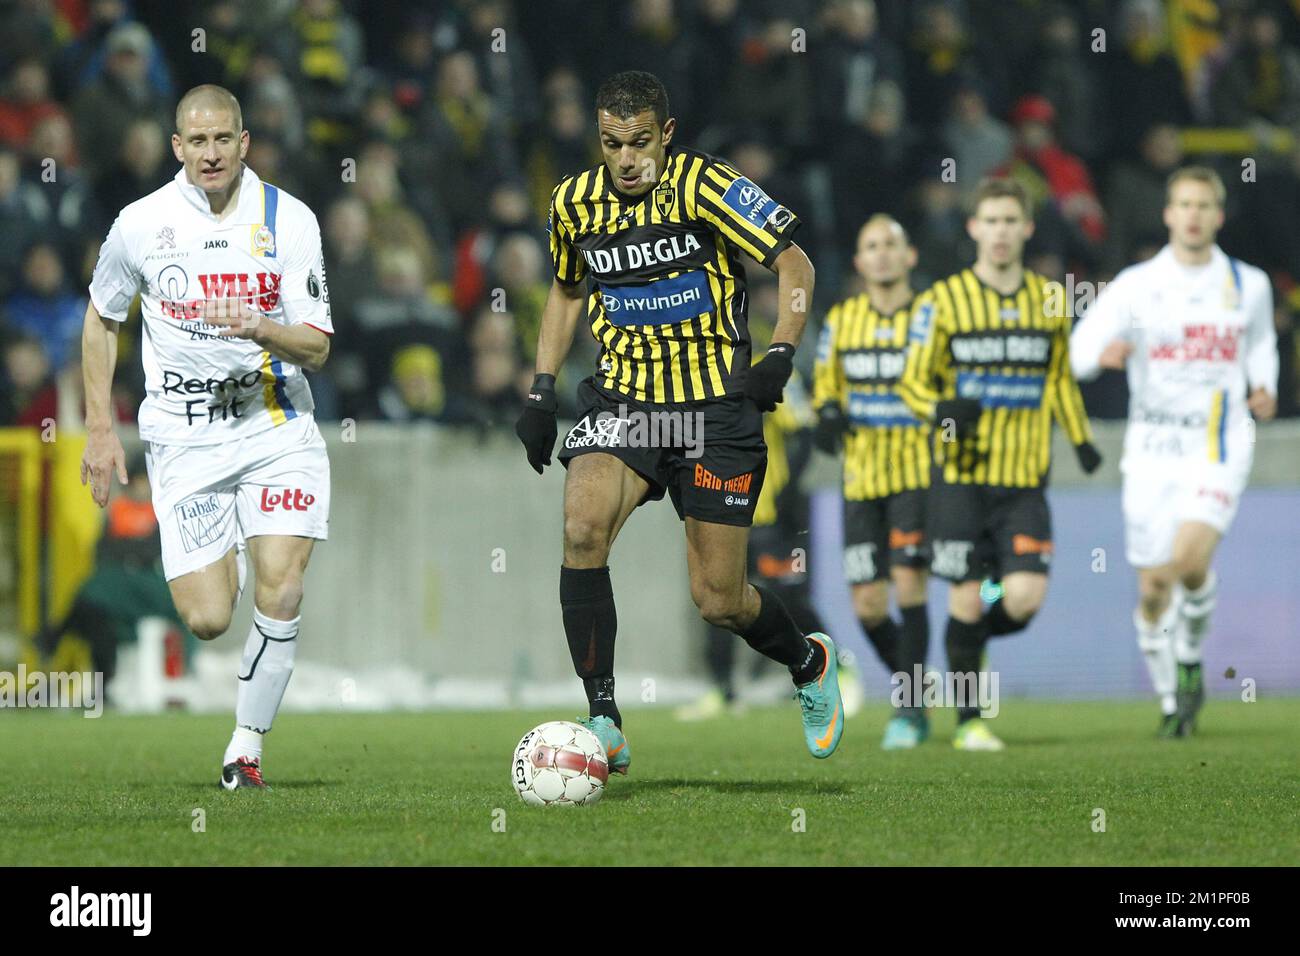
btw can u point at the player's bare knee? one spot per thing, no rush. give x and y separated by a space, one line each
964 602
206 623
280 599
721 608
1021 607
586 542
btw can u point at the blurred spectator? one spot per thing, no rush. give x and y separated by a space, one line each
520 269
417 389
391 222
941 55
874 163
86 59
46 306
566 142
27 380
1065 75
18 223
144 162
1135 198
1049 172
977 141
399 312
939 232
467 138
772 90
323 48
854 60
1143 86
1261 81
26 101
107 107
498 379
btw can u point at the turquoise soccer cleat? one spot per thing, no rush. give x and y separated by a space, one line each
821 706
905 732
617 752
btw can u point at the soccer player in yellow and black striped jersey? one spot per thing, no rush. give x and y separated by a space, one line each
860 357
648 244
989 367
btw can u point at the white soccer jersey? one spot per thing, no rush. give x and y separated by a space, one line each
1201 337
170 248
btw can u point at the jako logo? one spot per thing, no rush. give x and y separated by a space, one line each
103 909
291 500
216 244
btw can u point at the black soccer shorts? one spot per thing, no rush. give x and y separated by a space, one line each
880 533
709 455
978 531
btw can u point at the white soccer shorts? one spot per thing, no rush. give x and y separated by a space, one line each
1160 496
210 497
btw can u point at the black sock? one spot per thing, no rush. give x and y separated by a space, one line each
774 634
965 646
587 602
721 654
913 648
884 637
1001 623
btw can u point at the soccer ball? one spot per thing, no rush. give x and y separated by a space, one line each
559 764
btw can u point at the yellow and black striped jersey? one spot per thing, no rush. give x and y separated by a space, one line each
667 300
860 357
968 340
794 414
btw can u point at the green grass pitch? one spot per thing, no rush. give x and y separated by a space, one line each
423 788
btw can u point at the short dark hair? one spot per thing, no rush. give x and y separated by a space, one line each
1002 187
633 91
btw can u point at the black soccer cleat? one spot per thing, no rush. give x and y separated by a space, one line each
1191 696
243 773
1171 727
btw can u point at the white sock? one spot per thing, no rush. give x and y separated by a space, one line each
1157 644
265 670
1195 619
243 743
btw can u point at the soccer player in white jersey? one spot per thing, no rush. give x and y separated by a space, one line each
1195 329
235 306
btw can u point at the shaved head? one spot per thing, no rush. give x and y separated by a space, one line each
209 96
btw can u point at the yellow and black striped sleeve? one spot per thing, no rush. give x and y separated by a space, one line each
745 215
928 333
566 261
828 374
1063 396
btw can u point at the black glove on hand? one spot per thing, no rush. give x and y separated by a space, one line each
766 380
963 412
1089 457
831 426
536 425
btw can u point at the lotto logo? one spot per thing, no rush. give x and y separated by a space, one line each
292 499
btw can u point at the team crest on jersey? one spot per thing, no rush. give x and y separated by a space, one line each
919 330
263 241
665 196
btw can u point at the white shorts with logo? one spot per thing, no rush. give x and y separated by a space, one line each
1162 494
209 498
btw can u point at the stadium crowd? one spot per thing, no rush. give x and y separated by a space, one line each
427 137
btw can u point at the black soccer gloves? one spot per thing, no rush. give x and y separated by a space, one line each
536 426
1089 457
765 381
828 434
964 413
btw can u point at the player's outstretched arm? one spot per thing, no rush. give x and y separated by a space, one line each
536 426
765 380
104 455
